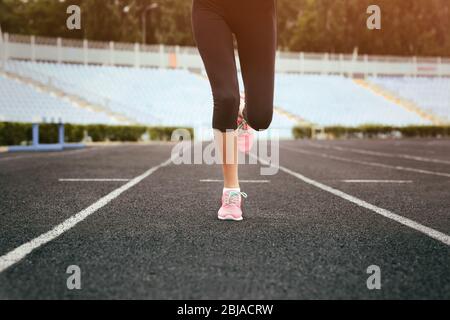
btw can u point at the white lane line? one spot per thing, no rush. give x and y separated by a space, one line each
243 181
49 154
378 181
21 252
367 163
437 235
63 154
380 154
93 180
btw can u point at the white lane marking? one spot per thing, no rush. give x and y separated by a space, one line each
367 163
49 154
378 181
93 180
243 181
437 235
22 251
62 154
381 154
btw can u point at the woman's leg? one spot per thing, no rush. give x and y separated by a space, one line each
227 143
256 34
215 43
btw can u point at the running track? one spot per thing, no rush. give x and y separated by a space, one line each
311 231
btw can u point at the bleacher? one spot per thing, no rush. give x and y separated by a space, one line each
335 100
148 96
431 94
167 97
20 102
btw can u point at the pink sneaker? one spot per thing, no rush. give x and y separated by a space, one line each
231 206
245 135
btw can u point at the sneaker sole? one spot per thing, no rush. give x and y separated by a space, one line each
230 218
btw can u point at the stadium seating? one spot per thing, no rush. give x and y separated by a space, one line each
335 100
149 96
430 94
180 98
22 103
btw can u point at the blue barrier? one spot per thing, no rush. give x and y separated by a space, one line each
37 146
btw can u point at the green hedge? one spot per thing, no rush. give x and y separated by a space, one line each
114 133
21 133
302 132
374 131
14 133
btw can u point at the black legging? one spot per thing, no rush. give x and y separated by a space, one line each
254 24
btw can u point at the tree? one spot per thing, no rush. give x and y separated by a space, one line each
409 27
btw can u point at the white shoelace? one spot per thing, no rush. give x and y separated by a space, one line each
233 197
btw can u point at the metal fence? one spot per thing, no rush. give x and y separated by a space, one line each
59 50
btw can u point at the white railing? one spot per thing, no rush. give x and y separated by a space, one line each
127 54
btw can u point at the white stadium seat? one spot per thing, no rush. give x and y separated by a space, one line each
170 97
336 100
162 97
431 94
22 103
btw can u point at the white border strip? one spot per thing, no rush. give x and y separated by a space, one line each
21 252
378 181
93 180
41 155
437 235
241 181
380 154
367 163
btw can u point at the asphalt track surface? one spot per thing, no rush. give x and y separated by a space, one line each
160 239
